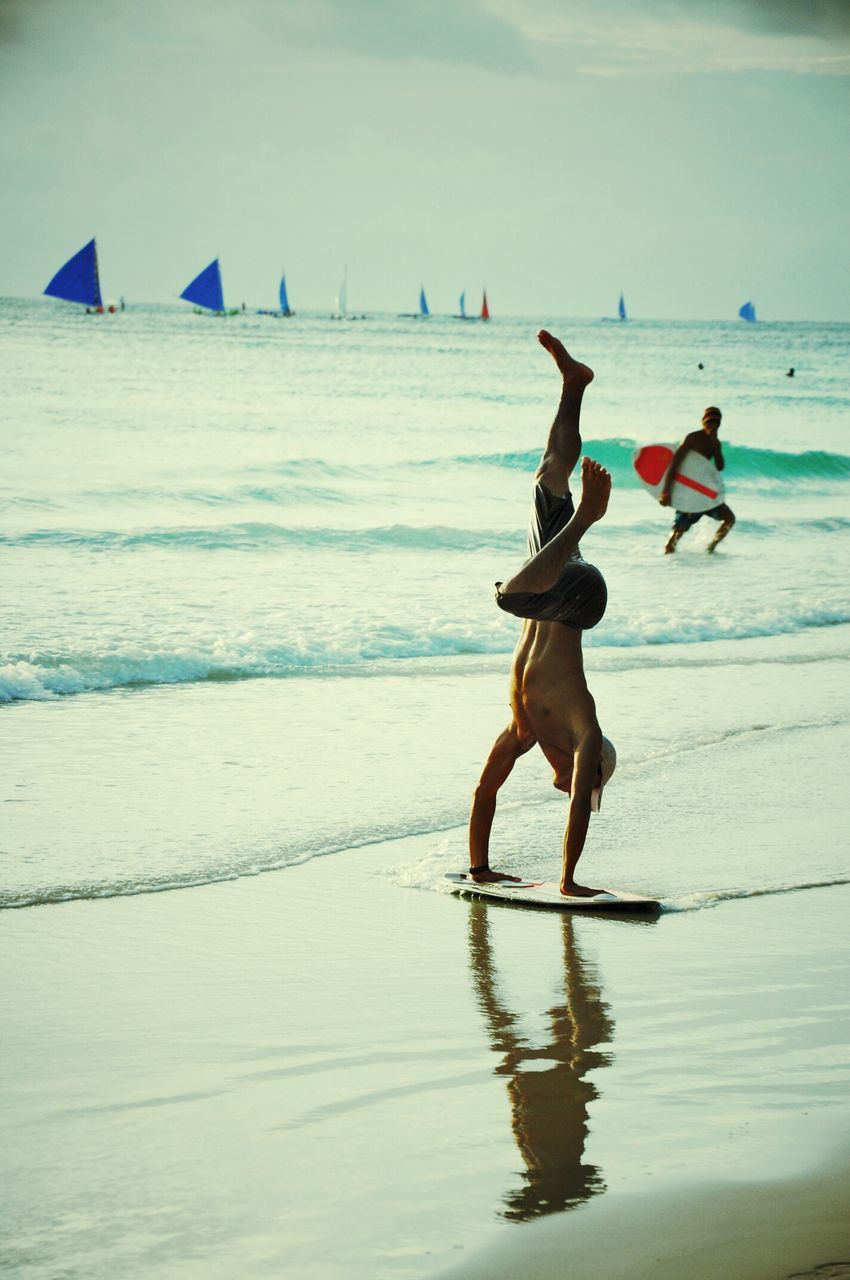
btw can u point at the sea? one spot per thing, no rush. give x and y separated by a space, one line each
247 570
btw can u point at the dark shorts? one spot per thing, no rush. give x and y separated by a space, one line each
685 520
579 597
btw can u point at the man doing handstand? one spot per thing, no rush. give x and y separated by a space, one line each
558 595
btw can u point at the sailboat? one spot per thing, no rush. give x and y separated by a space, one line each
79 280
621 309
341 307
748 312
485 310
461 309
206 292
285 309
422 314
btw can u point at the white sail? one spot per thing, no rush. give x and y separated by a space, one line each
341 297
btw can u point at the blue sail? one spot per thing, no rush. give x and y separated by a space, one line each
621 311
205 289
463 305
423 305
748 312
284 301
78 280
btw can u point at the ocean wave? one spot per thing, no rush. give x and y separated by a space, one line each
426 873
279 495
714 897
267 536
744 525
227 868
650 630
15 899
747 466
41 676
258 536
308 482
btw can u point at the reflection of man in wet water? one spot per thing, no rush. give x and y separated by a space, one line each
548 1106
558 596
706 443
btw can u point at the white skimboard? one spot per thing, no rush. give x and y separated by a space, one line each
536 893
697 485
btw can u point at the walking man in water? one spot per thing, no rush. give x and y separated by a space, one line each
705 442
558 595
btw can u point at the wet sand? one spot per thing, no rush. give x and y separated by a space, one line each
756 1230
320 1073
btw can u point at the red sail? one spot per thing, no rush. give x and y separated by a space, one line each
485 310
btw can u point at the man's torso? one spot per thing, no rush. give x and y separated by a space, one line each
550 700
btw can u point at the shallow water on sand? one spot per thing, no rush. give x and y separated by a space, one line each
272 1079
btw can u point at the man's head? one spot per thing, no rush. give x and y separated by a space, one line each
711 420
607 765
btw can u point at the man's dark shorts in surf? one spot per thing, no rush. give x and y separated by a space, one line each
579 596
686 519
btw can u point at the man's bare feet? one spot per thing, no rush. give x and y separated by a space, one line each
572 890
491 877
595 489
570 368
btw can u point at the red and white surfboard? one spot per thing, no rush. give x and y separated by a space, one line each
697 485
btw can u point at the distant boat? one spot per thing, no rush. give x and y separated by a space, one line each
748 312
285 309
341 307
621 310
485 310
341 311
79 280
422 314
461 313
205 290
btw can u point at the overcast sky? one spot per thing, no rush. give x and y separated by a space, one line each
693 154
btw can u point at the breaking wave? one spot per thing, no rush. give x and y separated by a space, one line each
42 675
759 468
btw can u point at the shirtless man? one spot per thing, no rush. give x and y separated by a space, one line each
558 596
705 442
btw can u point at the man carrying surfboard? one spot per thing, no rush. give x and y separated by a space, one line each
706 443
558 595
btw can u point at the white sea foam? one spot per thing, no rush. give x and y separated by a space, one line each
715 897
44 675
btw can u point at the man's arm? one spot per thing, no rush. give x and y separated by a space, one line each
718 455
585 775
504 753
675 462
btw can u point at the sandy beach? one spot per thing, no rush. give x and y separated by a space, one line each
322 1072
